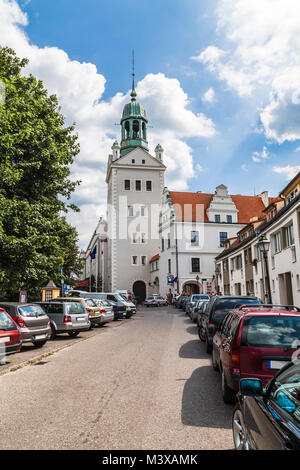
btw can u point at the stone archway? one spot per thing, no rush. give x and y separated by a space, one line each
192 287
139 290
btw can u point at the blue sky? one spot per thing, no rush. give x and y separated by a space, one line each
219 80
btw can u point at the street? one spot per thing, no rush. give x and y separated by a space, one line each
147 384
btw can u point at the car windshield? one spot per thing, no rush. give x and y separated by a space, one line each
272 331
199 297
31 311
150 298
75 308
119 297
224 305
90 303
111 302
6 323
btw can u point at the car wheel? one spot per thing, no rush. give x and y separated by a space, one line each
53 332
201 334
39 344
213 360
240 439
208 346
73 333
227 394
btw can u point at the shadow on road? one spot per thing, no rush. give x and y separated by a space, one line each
193 350
193 330
202 403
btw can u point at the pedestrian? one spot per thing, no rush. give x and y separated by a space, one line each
170 297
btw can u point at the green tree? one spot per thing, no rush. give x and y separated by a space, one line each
36 151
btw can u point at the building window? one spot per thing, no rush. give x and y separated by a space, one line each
195 265
195 238
162 244
169 241
217 218
229 219
127 185
143 162
143 260
48 295
223 238
277 242
143 238
289 235
133 160
138 185
148 185
134 260
134 238
143 211
130 211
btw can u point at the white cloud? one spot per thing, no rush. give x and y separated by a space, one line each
289 171
262 58
258 157
79 87
209 96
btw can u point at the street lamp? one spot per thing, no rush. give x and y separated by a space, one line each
217 272
264 246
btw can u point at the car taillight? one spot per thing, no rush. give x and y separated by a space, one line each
196 310
67 319
235 361
48 320
89 310
102 311
20 322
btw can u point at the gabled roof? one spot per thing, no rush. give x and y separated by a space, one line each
247 206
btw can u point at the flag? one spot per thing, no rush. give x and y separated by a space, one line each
93 253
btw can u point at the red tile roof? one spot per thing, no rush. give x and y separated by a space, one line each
247 206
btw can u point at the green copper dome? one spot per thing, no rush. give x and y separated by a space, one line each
134 109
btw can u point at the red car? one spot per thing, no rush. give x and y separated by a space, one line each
10 336
256 342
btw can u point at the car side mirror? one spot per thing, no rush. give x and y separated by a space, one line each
251 387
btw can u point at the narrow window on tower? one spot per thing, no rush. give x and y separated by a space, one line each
148 185
138 185
144 260
127 185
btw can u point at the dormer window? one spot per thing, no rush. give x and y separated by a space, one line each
217 218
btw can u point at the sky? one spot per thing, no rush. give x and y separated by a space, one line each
220 81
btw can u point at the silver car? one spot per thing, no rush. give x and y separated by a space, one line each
66 317
106 310
33 323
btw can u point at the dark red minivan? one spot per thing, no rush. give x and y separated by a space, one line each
10 336
256 342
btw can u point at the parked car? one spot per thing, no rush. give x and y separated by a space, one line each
184 302
162 302
190 304
106 310
117 298
269 419
151 301
216 310
195 310
91 307
120 311
33 323
66 317
10 336
254 342
128 302
200 320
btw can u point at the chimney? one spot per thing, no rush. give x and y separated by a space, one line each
265 198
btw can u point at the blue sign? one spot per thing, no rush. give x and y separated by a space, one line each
65 287
170 279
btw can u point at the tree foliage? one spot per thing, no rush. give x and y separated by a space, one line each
36 151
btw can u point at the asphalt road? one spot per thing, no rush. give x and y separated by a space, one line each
147 384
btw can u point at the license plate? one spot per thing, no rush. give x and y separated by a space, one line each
40 337
81 319
6 339
276 364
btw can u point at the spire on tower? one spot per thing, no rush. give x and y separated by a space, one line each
133 92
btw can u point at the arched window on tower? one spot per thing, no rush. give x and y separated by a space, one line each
135 129
127 129
144 130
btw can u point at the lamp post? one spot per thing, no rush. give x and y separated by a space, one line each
263 246
176 250
217 272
